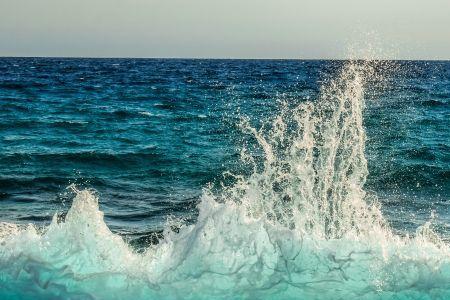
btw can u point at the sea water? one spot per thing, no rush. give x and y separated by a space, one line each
224 179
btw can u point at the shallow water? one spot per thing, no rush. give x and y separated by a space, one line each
224 179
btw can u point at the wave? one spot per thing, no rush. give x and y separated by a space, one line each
32 124
42 183
101 158
13 85
435 103
301 226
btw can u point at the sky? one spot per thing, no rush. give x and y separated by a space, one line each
300 29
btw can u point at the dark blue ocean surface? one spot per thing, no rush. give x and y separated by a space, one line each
149 134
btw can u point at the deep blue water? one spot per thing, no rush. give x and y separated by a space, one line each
224 179
149 134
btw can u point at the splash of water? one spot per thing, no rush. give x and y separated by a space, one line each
300 227
315 166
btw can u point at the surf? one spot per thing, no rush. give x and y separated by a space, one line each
300 226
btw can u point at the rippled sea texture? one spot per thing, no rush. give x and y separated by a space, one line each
224 179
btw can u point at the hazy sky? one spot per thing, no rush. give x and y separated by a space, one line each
415 29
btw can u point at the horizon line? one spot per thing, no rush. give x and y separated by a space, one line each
224 58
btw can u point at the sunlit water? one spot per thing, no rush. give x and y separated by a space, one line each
224 179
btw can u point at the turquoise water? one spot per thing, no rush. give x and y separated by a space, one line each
224 179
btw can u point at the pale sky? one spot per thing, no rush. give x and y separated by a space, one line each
405 29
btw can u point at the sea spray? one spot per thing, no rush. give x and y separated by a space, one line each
315 166
300 227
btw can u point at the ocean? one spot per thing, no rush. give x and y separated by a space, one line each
224 179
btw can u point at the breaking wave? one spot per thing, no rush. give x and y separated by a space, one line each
301 226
